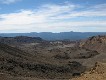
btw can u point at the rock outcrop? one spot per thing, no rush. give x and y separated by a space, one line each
97 43
96 73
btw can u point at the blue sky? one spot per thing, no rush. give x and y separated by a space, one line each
52 16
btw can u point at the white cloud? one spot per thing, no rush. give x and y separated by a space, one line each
23 17
92 11
8 1
53 18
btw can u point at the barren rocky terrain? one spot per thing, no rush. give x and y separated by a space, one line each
96 73
28 58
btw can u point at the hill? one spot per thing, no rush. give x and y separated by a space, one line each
97 43
20 39
56 36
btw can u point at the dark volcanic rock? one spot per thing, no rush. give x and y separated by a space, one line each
86 55
20 39
19 63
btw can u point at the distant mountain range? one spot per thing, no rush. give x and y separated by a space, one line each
56 36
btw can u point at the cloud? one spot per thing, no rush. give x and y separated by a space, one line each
92 11
100 7
54 18
8 1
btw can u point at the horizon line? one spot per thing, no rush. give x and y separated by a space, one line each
49 32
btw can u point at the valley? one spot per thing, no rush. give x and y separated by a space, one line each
32 58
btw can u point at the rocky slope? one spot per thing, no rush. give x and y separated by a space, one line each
96 73
97 43
17 63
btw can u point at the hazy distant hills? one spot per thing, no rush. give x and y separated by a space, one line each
56 36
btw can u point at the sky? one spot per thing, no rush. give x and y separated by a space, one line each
20 16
